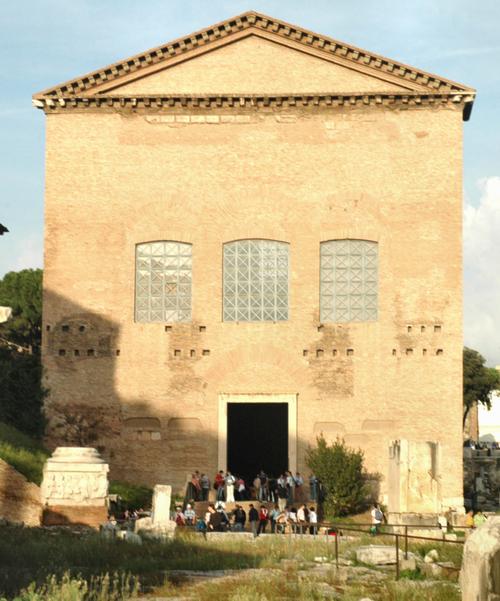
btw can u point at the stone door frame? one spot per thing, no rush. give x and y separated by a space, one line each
289 398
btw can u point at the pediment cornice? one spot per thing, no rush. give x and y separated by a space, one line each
106 79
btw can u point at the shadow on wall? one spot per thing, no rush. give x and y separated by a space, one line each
143 440
99 395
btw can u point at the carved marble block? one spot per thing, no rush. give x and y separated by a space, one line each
75 476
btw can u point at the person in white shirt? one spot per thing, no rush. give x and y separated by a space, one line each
229 481
313 521
292 517
301 518
377 518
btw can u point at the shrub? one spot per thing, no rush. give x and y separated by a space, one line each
341 471
132 496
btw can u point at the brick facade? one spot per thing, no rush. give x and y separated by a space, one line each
301 173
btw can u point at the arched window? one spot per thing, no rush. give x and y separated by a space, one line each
349 280
163 281
255 280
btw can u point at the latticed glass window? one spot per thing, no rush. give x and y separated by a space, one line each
163 281
349 280
255 280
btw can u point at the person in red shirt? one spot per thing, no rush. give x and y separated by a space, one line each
263 519
219 485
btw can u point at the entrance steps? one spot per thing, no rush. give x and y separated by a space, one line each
201 507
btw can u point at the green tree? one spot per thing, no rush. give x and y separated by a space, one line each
22 290
479 381
341 471
21 391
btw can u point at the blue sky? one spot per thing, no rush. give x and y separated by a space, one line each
45 42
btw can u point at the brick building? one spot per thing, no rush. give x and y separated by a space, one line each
253 236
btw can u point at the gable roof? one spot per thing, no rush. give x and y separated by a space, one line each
102 81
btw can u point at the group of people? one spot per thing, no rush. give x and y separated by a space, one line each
474 519
303 520
284 490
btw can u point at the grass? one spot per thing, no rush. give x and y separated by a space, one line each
23 453
68 588
33 555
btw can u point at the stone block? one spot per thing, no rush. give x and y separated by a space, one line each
377 554
162 494
408 564
75 487
65 515
480 573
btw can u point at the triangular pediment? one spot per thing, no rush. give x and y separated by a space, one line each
254 53
254 64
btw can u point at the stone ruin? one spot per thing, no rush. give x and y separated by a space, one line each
75 487
480 573
159 525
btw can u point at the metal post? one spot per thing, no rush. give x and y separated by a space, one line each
397 556
406 542
337 548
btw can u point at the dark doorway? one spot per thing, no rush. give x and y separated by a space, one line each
257 438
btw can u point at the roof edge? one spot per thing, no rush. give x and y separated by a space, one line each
259 21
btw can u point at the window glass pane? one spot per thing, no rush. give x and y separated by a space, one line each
349 280
163 281
255 281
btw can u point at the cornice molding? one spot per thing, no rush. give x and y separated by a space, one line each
242 102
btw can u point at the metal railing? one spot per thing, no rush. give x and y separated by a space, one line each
338 528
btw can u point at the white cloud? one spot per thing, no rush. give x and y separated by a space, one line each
482 271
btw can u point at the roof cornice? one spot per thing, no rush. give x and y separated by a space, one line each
241 102
208 38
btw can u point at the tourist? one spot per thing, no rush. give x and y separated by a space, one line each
253 519
469 519
201 526
208 514
215 522
241 492
282 493
479 519
219 485
229 482
290 486
313 521
292 519
263 519
240 518
256 487
179 519
299 487
301 518
194 487
273 489
377 518
224 518
263 486
205 486
313 487
189 515
273 515
282 523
